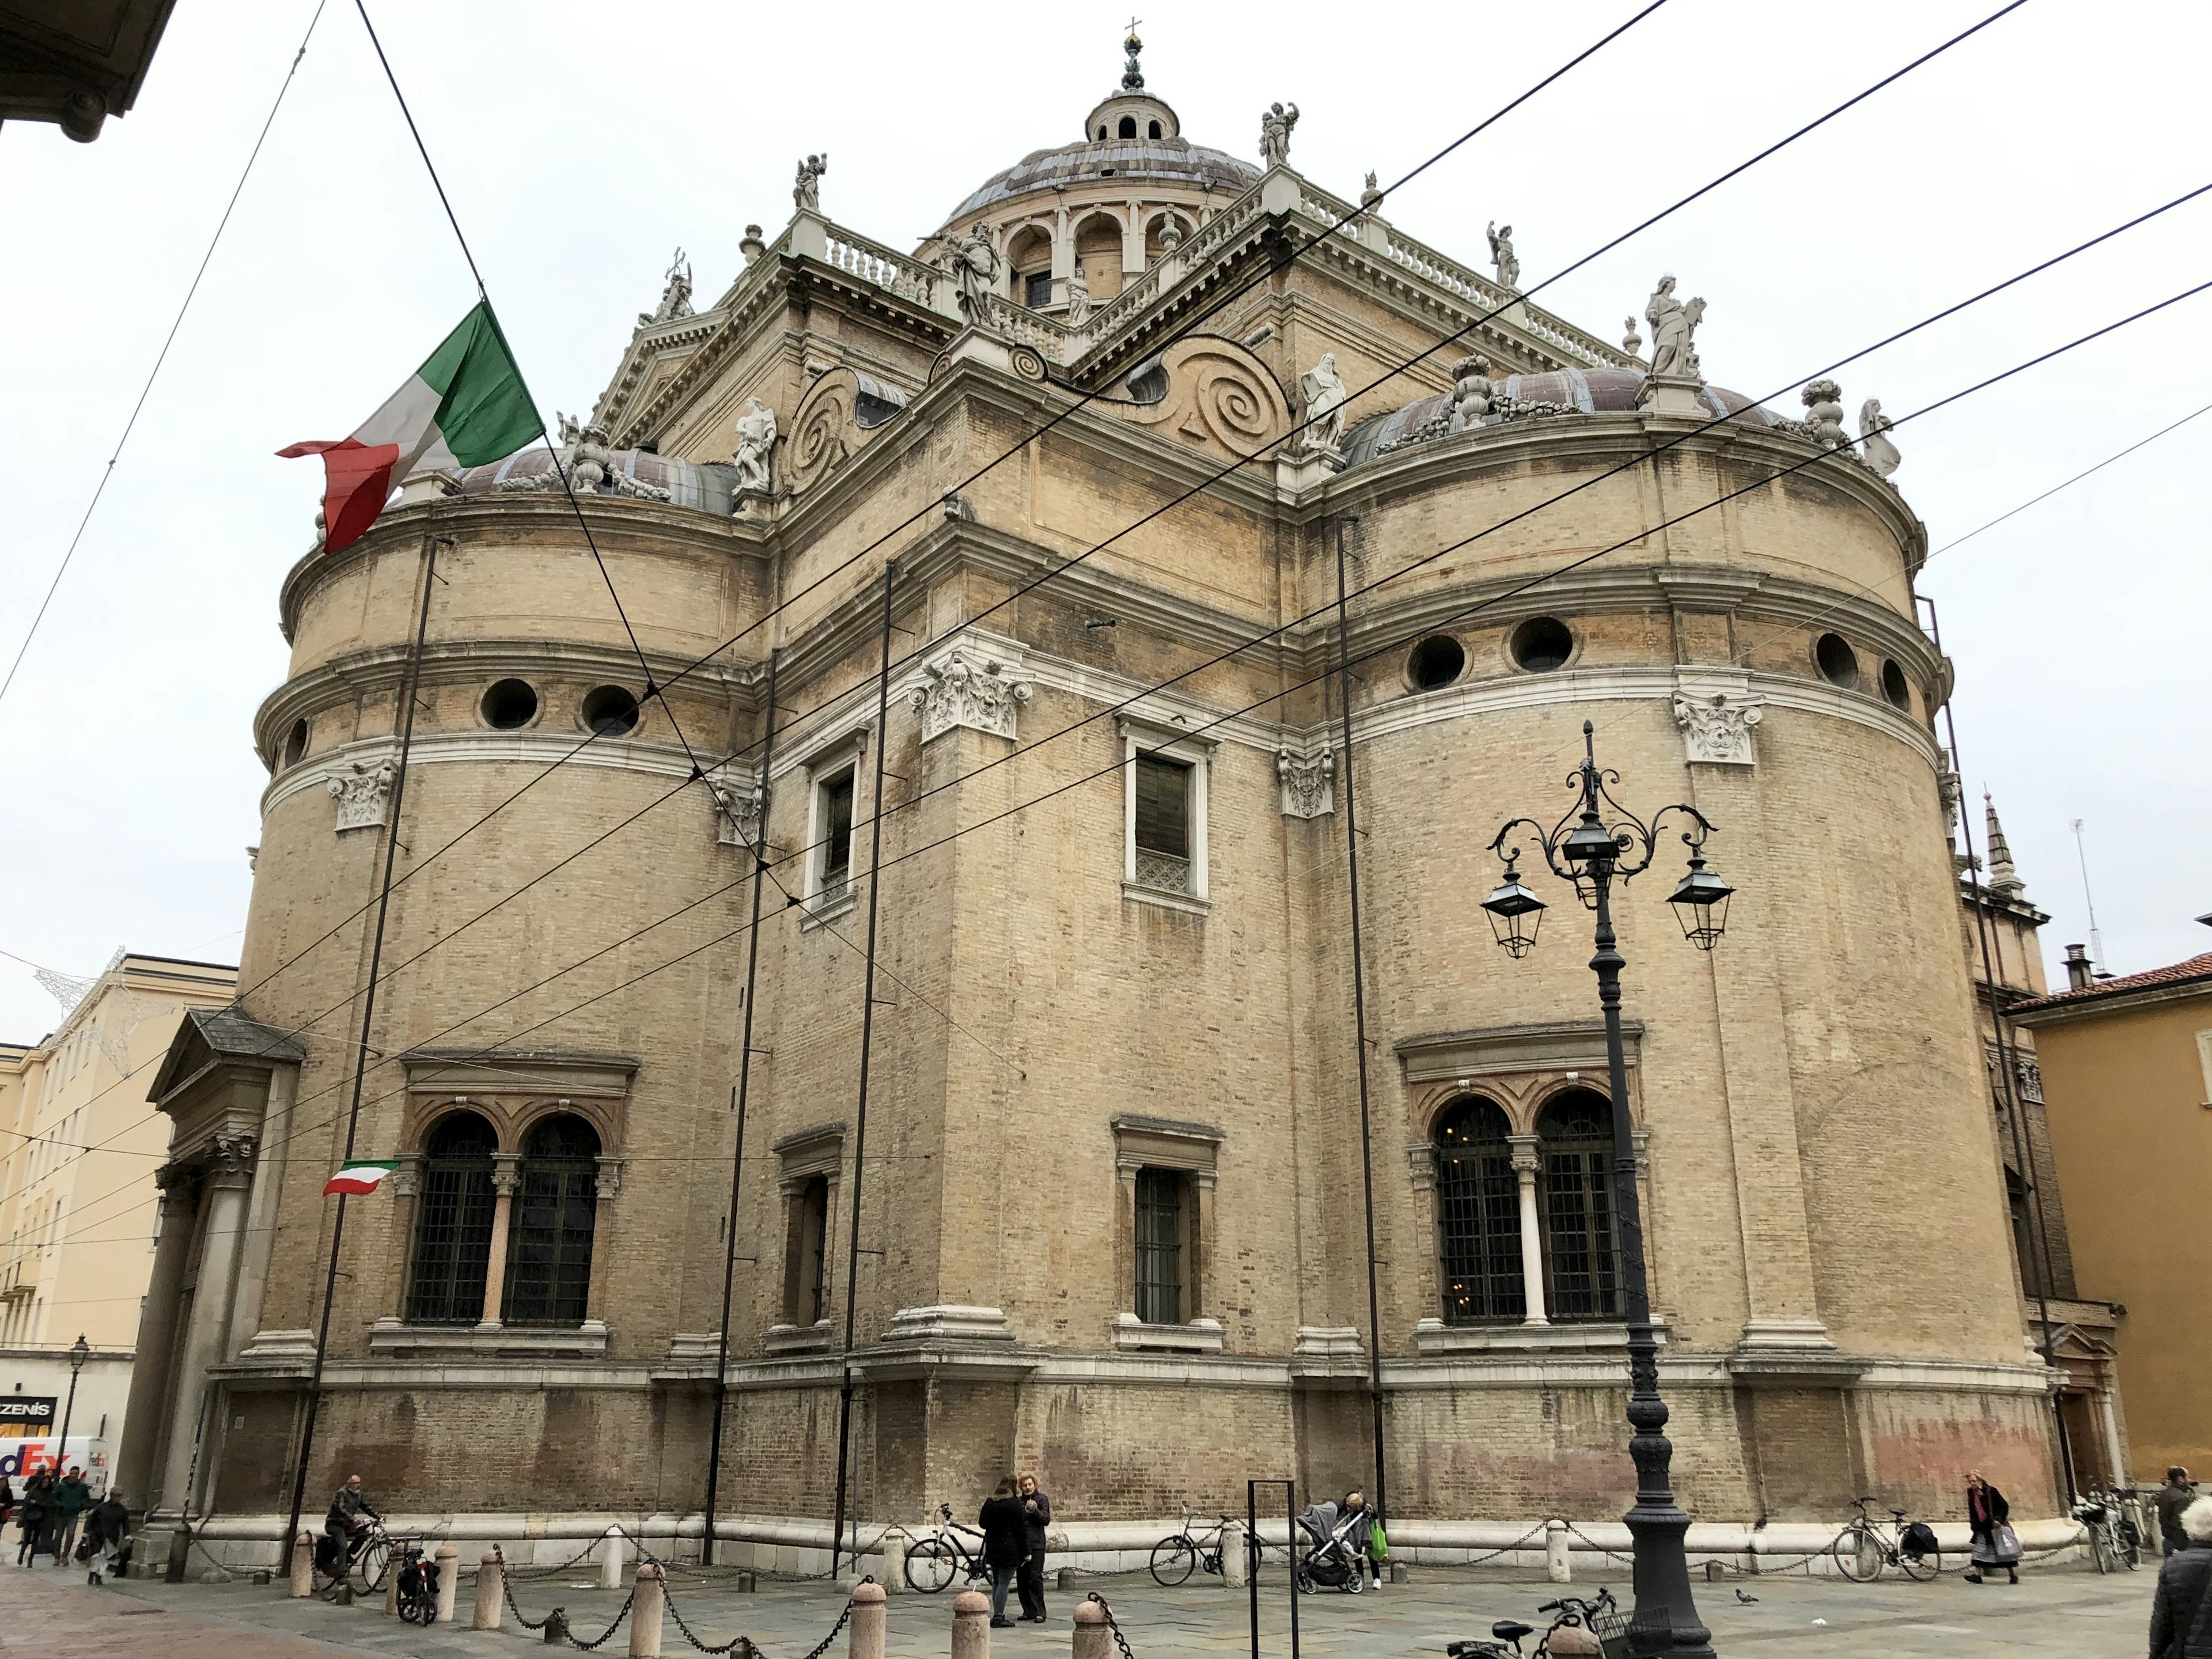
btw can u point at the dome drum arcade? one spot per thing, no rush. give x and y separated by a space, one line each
1109 1213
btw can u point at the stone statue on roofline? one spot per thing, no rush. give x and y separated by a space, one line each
1372 196
1471 393
1504 257
806 193
1824 414
757 436
1078 298
974 264
1875 446
1321 388
1673 357
1275 134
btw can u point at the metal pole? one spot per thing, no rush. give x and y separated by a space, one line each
61 1448
1252 1557
2005 1064
1360 1027
361 1053
1664 1600
1291 1521
737 1104
861 1113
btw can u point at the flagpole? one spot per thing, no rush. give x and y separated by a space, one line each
360 1052
738 1099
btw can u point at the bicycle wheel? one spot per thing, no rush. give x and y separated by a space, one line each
1173 1559
1921 1568
372 1564
1858 1554
929 1564
2128 1556
2100 1547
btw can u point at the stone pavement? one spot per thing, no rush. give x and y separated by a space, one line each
2060 1611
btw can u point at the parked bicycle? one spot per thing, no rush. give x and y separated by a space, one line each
1865 1548
2113 1540
418 1585
934 1562
1175 1556
1600 1614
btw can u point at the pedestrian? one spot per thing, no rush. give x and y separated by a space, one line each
72 1498
1356 1526
1036 1510
6 1499
105 1526
31 1517
2181 1613
2176 1495
1996 1544
1006 1545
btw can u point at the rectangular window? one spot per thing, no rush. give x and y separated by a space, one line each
833 833
1036 288
1163 823
1578 1217
1159 1246
807 1253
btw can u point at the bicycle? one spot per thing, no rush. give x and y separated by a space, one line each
2113 1540
368 1558
931 1562
1863 1550
1600 1614
1176 1555
418 1585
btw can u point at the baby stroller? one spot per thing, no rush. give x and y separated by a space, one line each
1329 1562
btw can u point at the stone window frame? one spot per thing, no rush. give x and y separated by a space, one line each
801 1156
1140 736
820 766
1193 1151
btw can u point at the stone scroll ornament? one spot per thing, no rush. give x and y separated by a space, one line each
963 691
1716 726
363 793
1215 396
1308 783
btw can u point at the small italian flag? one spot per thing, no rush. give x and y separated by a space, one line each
359 1176
464 407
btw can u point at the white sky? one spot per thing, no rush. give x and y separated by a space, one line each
581 144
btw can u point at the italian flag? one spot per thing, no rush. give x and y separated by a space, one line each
359 1177
465 406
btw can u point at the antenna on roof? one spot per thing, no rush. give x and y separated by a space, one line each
2096 938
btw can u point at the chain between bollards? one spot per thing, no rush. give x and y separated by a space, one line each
1113 1624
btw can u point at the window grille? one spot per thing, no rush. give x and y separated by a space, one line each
1479 1217
549 1251
1163 823
1584 1261
1038 289
834 833
1159 1247
453 1224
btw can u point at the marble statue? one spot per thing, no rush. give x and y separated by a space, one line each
1471 393
1880 453
676 297
1078 298
1673 324
1275 134
806 193
974 263
1371 198
1322 390
755 438
1824 414
1503 256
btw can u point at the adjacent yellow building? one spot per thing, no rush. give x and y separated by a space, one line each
2127 1076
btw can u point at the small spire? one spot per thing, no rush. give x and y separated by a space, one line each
2004 879
1132 77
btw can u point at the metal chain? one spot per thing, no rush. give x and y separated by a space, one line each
600 1640
1112 1624
507 1589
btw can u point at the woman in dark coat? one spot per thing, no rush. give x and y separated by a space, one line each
1987 1510
2181 1616
1005 1546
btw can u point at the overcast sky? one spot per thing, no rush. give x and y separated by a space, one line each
580 144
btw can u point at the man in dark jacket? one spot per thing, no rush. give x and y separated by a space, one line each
2181 1614
72 1498
34 1516
2175 1496
1036 1510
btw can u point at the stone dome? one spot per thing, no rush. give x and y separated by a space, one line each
1592 390
1152 160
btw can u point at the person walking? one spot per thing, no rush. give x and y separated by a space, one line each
2176 1495
1036 1511
6 1499
72 1498
2181 1612
31 1518
1006 1544
1356 1522
1995 1544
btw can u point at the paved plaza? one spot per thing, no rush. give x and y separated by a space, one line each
2060 1611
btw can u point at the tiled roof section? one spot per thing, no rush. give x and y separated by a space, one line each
2180 972
1173 161
233 1031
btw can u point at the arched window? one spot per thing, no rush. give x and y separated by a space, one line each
1581 1256
1098 252
1479 1216
549 1251
453 1222
1128 127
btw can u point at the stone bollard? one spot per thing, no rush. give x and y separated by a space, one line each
448 1558
645 1612
303 1565
894 1548
1063 1580
971 1625
610 1562
491 1592
1236 1556
392 1589
1555 1553
1094 1639
863 1634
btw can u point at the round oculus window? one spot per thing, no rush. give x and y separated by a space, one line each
1894 688
509 704
1436 663
610 711
295 745
1541 644
1838 663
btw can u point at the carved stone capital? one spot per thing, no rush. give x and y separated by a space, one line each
1527 1159
963 688
1717 711
506 1173
362 790
1421 1165
1308 783
610 1177
406 1178
738 809
230 1158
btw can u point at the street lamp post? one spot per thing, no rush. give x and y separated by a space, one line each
80 1351
1593 855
